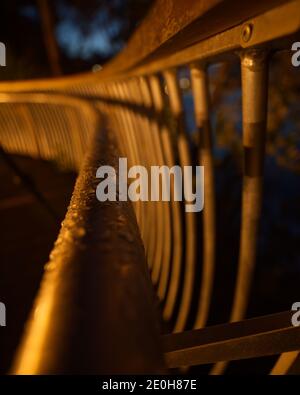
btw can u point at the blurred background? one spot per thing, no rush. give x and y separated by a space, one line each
47 39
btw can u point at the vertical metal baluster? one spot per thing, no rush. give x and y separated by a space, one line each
142 88
201 103
151 206
142 122
145 134
150 152
284 362
165 269
137 100
134 99
254 90
190 223
254 87
159 206
113 115
115 112
123 125
132 148
118 115
32 135
169 158
125 128
158 243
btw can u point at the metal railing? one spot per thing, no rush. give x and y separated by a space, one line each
101 301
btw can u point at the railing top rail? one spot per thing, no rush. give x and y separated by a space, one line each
170 28
172 25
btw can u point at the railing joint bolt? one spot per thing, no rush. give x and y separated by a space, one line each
247 31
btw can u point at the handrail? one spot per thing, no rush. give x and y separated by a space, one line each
148 127
206 41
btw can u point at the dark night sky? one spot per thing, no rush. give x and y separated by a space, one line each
87 32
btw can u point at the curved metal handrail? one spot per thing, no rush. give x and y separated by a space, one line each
147 125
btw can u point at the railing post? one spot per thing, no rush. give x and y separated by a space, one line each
254 68
254 102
